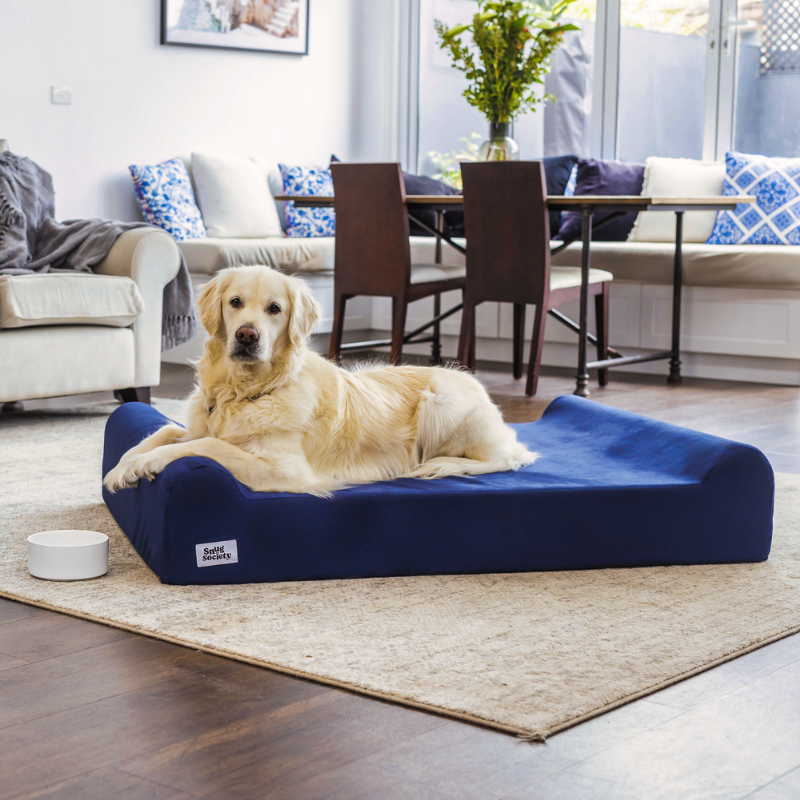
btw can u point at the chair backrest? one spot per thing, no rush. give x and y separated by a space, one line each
508 231
372 250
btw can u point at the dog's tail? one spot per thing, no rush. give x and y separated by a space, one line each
438 415
442 466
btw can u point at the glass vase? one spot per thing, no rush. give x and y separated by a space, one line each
499 146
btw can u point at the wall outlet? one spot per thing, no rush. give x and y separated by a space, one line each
61 95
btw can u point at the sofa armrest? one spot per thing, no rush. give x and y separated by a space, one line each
151 258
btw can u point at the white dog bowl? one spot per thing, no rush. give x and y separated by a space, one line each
68 555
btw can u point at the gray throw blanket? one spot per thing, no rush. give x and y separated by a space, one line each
32 242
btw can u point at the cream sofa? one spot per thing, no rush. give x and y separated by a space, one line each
741 304
65 334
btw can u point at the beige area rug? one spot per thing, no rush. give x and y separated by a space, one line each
527 653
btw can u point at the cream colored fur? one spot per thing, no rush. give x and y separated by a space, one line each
283 419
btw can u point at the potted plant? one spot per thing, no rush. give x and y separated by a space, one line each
512 41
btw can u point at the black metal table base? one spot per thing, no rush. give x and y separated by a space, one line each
674 356
677 288
409 338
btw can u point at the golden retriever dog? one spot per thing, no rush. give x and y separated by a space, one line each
281 418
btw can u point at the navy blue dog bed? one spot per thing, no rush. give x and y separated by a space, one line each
612 489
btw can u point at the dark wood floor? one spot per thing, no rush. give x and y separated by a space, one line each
90 712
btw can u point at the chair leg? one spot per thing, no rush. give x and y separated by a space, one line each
537 340
139 394
436 344
467 333
601 318
473 339
335 349
399 308
519 338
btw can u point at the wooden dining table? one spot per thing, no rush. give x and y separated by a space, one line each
587 205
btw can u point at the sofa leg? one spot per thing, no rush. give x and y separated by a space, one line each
13 405
140 394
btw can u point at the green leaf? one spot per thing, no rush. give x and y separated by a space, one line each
457 31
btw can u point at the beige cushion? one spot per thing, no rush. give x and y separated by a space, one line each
569 277
423 251
560 277
678 177
289 255
75 299
427 273
234 196
764 265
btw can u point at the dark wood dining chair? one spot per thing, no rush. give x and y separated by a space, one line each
508 260
373 255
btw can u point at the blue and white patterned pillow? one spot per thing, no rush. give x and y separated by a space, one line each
775 216
308 182
166 198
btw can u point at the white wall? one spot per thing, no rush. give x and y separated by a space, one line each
136 101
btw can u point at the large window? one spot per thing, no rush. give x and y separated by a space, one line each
676 78
662 77
767 116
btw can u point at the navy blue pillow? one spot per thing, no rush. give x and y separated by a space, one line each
557 170
422 184
604 178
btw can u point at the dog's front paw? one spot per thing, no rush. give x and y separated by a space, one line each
130 470
121 477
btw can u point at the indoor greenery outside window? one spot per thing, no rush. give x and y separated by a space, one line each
504 51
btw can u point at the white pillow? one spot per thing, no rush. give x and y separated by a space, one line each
234 197
678 177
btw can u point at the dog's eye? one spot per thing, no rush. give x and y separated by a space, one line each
236 302
274 308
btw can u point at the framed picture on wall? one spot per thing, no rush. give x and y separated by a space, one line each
268 26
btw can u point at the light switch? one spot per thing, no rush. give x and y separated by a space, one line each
61 95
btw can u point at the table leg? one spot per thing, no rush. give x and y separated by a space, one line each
677 285
436 344
582 378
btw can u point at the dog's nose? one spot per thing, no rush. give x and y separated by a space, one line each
247 335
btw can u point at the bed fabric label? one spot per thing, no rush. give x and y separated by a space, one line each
213 554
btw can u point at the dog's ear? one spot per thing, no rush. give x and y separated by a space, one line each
306 312
209 303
